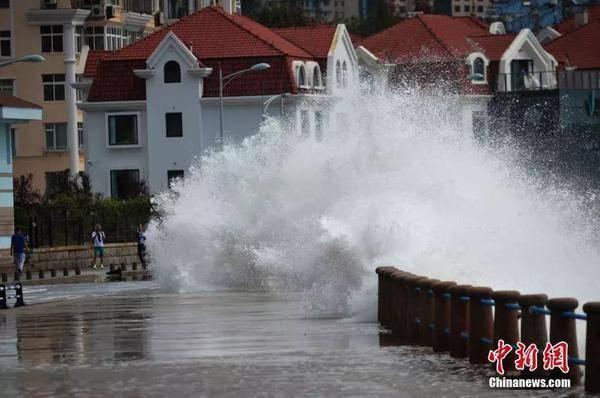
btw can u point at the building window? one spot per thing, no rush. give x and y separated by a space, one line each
305 123
124 184
174 123
5 45
173 175
56 136
467 8
344 75
78 39
316 77
4 3
301 76
13 142
480 9
319 126
338 74
122 129
7 86
172 72
456 8
80 134
94 37
52 38
115 37
54 87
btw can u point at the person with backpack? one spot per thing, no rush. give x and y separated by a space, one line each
98 238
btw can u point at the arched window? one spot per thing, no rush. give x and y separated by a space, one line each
301 76
338 74
344 75
316 77
478 67
172 72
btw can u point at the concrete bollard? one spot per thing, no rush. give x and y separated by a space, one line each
28 274
412 312
65 271
506 322
563 328
52 273
482 324
41 274
459 321
441 332
77 270
17 276
134 266
3 304
20 302
111 267
533 328
4 277
427 314
592 348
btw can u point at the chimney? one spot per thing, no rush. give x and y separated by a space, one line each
581 17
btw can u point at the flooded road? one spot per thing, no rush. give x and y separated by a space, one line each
133 340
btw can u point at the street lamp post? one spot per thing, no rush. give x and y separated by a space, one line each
225 80
267 103
26 58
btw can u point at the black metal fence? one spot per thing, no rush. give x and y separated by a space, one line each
60 228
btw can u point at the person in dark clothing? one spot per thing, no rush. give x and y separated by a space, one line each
18 249
141 245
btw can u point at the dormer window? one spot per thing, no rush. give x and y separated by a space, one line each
172 72
478 67
344 75
338 74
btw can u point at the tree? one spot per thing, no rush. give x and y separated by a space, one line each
25 195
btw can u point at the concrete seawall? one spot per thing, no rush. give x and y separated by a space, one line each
72 257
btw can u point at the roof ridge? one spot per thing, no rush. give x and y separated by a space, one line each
220 11
419 17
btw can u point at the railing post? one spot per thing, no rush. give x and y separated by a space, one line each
506 321
441 332
533 328
426 311
19 295
459 322
396 300
378 271
386 296
592 348
412 310
400 328
482 324
564 329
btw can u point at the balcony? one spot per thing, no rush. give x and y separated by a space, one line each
579 79
531 81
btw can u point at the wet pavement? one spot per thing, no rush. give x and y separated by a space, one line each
131 339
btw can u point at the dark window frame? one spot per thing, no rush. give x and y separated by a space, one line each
54 87
113 138
172 72
51 38
174 124
131 191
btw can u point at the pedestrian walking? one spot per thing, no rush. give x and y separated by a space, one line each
98 238
18 249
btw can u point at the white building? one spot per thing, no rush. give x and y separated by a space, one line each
154 105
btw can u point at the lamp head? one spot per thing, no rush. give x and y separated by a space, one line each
32 58
261 66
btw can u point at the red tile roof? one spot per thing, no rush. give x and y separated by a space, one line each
213 33
92 61
218 39
492 46
315 40
425 38
10 101
568 25
580 48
